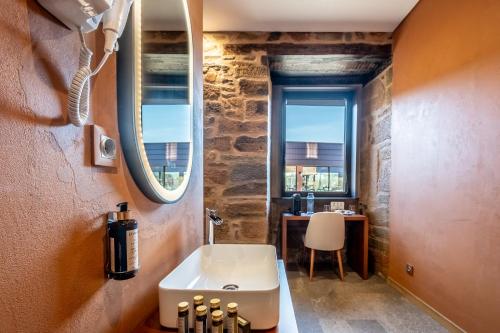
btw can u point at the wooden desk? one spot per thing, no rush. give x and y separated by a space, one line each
287 323
357 244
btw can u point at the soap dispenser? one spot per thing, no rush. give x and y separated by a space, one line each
123 239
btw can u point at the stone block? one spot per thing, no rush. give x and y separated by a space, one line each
382 130
243 36
258 189
228 95
254 88
211 66
300 36
222 232
228 89
383 198
213 108
254 231
385 152
208 191
379 216
247 208
245 172
210 155
255 109
215 175
221 143
374 95
209 121
234 114
233 102
384 176
329 36
249 70
248 144
228 126
210 77
243 49
211 92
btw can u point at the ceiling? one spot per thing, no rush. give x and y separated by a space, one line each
157 16
304 15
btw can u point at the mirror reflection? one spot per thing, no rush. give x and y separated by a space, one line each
165 102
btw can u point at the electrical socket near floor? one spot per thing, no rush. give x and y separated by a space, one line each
410 269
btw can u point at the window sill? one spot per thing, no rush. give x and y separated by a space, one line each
320 198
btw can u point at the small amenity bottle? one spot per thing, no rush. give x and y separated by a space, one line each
217 322
200 324
214 306
183 317
197 301
243 325
232 318
310 203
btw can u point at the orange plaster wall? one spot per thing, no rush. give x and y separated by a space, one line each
53 201
445 188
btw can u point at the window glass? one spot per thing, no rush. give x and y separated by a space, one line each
167 142
315 145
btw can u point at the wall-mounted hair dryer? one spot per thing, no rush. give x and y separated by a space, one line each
85 16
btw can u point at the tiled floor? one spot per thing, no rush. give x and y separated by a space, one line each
354 306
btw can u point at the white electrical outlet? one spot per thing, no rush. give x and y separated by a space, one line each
105 148
336 205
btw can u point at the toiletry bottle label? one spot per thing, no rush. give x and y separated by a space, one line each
232 324
200 326
182 325
112 254
132 250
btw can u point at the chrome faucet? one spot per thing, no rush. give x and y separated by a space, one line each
212 219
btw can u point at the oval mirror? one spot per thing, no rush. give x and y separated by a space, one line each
154 73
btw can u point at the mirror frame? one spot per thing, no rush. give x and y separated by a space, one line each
129 92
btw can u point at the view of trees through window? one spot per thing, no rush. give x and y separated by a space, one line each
315 132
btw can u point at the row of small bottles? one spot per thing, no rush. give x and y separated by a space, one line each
203 321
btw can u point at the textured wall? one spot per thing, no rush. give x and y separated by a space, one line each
236 99
236 92
445 183
375 166
52 201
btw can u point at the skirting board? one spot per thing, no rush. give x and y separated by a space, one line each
438 316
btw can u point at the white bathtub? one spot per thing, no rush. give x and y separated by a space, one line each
252 268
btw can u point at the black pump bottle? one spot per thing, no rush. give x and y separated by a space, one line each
123 245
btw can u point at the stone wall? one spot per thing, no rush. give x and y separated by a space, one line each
236 101
375 166
236 93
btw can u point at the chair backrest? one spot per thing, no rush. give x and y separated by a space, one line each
325 232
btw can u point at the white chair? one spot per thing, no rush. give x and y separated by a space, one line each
326 232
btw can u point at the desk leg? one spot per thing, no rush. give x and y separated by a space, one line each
357 247
284 254
365 249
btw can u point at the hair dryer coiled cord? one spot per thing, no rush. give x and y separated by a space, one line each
79 92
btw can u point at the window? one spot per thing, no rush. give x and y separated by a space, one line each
311 150
166 141
316 132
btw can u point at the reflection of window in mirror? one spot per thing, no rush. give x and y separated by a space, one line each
166 137
166 118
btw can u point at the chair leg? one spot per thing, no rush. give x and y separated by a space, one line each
311 267
341 269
